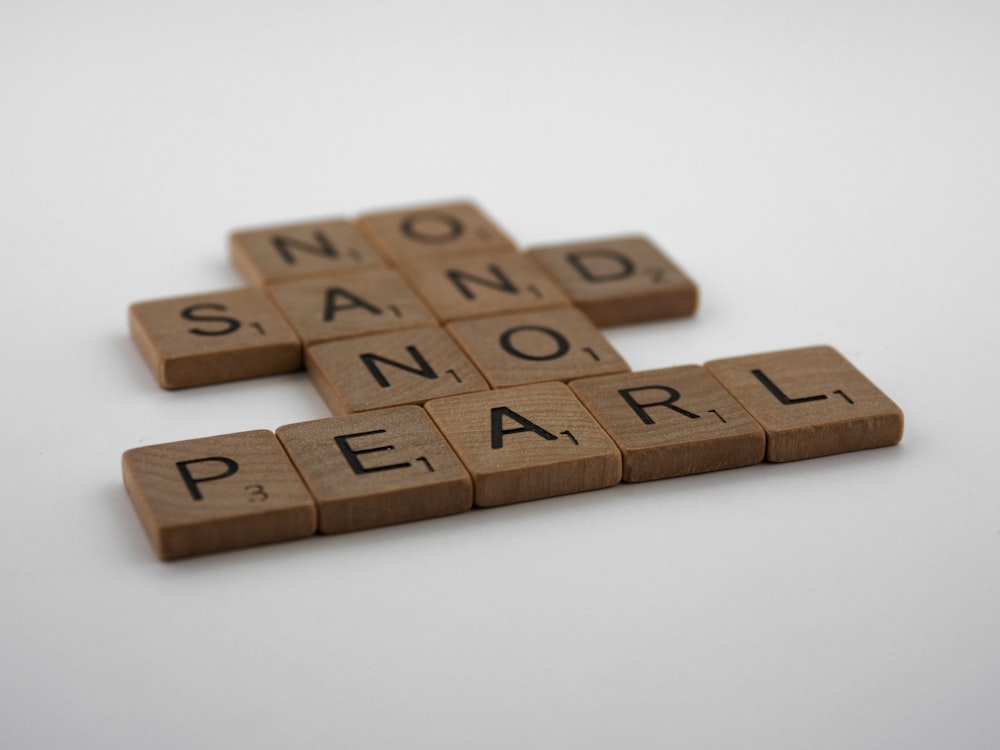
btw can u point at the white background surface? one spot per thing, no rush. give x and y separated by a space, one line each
828 173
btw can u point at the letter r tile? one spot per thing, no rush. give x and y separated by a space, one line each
620 280
527 443
217 493
377 468
811 402
672 422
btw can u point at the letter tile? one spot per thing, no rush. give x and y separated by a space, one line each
217 493
672 422
811 402
377 468
527 443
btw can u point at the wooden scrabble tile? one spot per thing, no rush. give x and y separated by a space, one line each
390 369
534 347
457 287
213 338
336 307
411 234
527 443
620 280
217 493
811 402
294 251
672 422
377 468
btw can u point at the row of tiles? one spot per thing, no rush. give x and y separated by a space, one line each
322 281
503 446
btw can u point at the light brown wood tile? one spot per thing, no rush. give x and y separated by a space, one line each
811 402
535 347
527 443
474 286
412 234
217 493
336 307
390 369
292 251
672 422
377 468
213 338
620 280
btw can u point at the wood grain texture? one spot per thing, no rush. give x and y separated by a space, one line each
377 468
458 287
619 280
535 347
412 234
390 369
292 251
527 443
213 338
336 307
811 402
672 422
217 493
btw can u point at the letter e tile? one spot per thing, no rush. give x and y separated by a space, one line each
377 468
811 402
527 443
217 493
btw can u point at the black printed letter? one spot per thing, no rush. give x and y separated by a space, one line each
423 368
352 455
639 409
600 271
497 431
192 484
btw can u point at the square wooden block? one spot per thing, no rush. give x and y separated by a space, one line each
620 280
217 493
474 286
811 402
535 347
420 232
214 338
378 468
294 251
337 307
390 369
527 443
672 422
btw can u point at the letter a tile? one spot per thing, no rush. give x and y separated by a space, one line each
338 307
217 493
620 280
672 422
527 443
377 468
811 402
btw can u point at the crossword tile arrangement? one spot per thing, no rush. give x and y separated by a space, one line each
461 372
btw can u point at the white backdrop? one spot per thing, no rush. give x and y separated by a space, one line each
827 172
